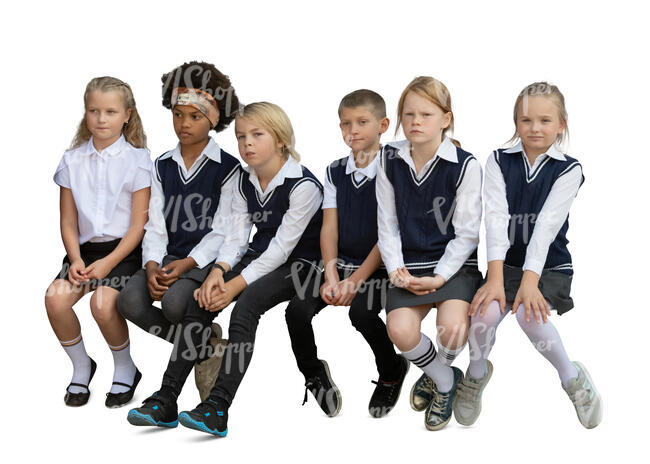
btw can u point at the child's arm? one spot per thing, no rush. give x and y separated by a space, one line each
305 200
547 225
349 287
497 220
329 242
466 221
390 242
139 206
70 236
236 228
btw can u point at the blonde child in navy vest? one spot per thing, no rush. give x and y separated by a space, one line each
529 189
353 275
105 185
282 199
429 214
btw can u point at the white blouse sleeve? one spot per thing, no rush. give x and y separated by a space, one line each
237 228
154 244
466 220
389 239
497 213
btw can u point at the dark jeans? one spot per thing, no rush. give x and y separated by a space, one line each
136 305
364 315
279 285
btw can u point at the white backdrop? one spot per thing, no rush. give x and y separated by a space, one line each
305 58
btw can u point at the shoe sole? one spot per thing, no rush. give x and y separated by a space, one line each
137 418
399 392
480 404
596 394
187 421
336 390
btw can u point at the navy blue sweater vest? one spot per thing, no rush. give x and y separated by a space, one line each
356 205
425 207
526 193
267 215
191 203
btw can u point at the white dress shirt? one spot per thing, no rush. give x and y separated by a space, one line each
305 200
368 172
102 185
466 218
549 220
154 245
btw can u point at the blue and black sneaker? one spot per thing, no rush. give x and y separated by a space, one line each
209 416
157 410
438 413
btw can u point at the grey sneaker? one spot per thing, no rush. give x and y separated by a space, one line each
438 413
585 397
206 371
467 406
421 393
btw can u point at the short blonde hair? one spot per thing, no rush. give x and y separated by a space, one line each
133 131
275 120
537 89
433 90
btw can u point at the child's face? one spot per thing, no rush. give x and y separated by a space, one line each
538 123
360 128
106 115
256 145
190 125
422 120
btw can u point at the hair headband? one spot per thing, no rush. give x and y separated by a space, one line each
197 98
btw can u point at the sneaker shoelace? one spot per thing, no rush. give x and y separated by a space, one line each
439 402
386 391
314 385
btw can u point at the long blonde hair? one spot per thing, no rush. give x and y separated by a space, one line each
545 89
133 130
433 90
275 120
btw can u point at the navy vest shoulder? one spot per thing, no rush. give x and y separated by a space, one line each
356 205
526 193
191 203
267 213
425 206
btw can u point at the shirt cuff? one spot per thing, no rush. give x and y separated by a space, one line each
443 271
496 254
534 265
200 258
249 275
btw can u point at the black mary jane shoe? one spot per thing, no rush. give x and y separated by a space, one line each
117 400
79 399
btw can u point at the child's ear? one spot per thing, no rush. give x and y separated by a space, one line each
128 115
383 125
447 120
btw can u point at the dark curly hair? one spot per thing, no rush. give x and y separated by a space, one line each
204 76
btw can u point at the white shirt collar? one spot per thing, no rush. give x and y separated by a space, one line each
553 151
446 150
212 150
290 169
370 171
113 149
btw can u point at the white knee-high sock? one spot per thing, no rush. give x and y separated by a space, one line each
547 341
424 356
80 363
446 355
482 336
124 367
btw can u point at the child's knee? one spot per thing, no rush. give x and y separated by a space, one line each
401 332
453 333
57 297
490 317
298 312
102 306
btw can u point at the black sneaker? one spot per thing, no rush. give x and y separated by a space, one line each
209 416
439 411
325 391
156 410
386 394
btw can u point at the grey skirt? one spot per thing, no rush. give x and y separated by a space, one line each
461 286
554 286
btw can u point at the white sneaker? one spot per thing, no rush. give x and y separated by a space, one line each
467 406
585 397
206 372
